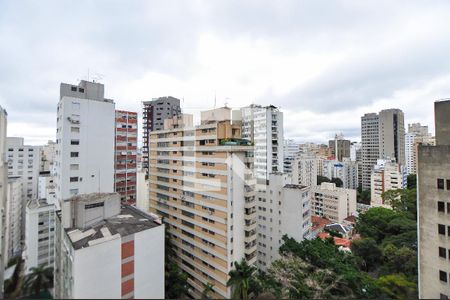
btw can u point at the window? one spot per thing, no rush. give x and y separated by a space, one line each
441 206
442 252
74 167
73 88
443 297
443 276
75 129
441 229
440 184
73 154
448 184
74 142
75 179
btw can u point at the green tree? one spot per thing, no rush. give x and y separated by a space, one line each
397 286
363 196
411 181
207 289
403 201
368 252
337 181
374 222
321 179
240 279
39 278
400 260
175 279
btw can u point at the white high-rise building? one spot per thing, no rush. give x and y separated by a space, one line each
286 211
13 220
3 191
291 151
346 170
304 170
382 136
417 135
387 175
47 189
48 156
85 136
39 234
24 161
263 125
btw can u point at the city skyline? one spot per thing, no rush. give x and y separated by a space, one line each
335 66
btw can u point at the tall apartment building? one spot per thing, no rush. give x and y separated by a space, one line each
290 151
24 161
85 133
263 125
125 156
382 136
153 114
3 191
304 170
417 135
333 203
386 175
48 157
13 220
285 211
109 251
433 178
339 147
345 170
201 182
39 234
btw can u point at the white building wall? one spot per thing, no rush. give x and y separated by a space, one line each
13 234
410 152
85 148
304 171
142 191
3 188
386 176
149 264
97 271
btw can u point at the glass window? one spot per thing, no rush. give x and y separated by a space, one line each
443 276
440 183
441 206
441 229
442 252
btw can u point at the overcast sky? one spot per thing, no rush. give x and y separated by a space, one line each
325 63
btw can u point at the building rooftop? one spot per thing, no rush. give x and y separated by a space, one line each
294 186
130 220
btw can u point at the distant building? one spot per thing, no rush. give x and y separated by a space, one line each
304 170
387 175
153 115
24 161
39 234
125 156
347 171
417 135
433 188
285 211
47 188
382 136
48 153
108 251
291 150
13 221
332 203
339 147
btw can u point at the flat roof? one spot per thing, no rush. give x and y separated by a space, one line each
295 186
130 220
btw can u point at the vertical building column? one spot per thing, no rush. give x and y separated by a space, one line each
128 267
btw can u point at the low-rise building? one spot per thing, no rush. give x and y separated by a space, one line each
108 251
39 234
333 203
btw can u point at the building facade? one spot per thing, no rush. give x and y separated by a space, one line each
24 161
153 115
201 182
433 182
109 251
339 147
333 203
13 220
48 157
125 156
3 191
417 135
386 175
286 211
39 234
382 136
85 133
347 171
305 170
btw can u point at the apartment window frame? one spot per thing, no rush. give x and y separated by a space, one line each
443 276
441 206
440 184
443 252
441 229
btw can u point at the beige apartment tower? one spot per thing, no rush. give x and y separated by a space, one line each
201 182
433 197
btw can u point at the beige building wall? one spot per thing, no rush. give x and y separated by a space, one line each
333 203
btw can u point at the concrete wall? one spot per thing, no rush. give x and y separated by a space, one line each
442 120
149 264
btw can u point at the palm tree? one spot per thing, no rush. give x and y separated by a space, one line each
207 288
240 279
39 278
